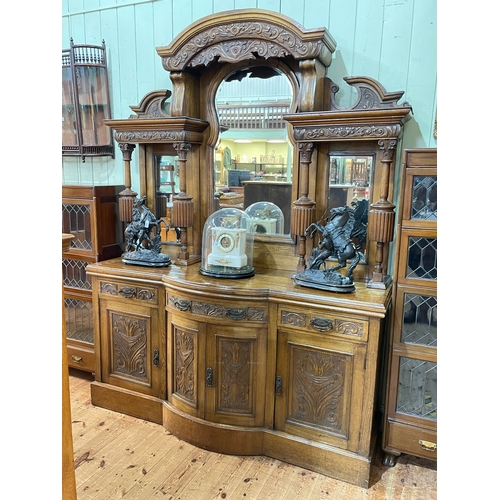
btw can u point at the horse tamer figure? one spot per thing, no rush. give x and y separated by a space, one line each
335 242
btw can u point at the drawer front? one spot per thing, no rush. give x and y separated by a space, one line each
81 358
132 292
412 440
238 311
341 326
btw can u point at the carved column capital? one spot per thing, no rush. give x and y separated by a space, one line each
182 149
306 150
388 147
127 150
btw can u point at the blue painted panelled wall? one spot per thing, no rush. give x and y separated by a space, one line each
393 41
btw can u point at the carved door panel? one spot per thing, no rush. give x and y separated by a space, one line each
132 356
187 374
235 375
319 388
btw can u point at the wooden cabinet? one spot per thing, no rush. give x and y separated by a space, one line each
90 214
217 369
410 423
129 312
258 366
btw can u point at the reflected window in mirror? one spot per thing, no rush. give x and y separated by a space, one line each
254 160
349 184
166 170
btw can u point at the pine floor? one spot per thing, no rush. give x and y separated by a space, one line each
118 456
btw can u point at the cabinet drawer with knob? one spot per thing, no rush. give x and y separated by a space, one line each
81 357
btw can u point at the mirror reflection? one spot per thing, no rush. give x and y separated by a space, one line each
349 185
253 160
167 184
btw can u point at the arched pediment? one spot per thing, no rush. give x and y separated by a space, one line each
243 35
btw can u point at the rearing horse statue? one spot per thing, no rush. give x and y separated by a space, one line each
336 241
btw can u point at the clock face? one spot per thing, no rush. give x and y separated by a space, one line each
226 242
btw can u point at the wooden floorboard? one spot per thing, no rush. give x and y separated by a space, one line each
122 457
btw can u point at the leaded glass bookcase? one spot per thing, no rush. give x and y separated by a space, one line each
90 214
410 423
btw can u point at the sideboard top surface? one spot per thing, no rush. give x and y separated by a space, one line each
272 285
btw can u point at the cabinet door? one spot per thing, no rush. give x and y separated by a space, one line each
319 389
186 344
132 356
235 375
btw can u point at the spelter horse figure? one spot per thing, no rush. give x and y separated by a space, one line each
143 221
336 241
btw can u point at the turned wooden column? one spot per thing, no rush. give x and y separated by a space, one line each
304 208
127 196
182 213
381 217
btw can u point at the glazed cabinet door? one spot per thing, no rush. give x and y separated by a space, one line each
319 388
133 351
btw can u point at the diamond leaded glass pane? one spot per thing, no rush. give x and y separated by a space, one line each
417 388
76 220
424 198
74 274
419 320
422 258
79 320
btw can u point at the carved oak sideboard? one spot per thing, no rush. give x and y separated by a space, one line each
258 366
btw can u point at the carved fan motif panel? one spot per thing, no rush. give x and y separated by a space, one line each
184 365
236 358
319 394
129 341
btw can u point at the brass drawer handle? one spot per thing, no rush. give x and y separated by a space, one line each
76 359
428 445
321 324
182 304
127 292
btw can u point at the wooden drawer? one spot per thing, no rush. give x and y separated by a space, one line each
132 292
341 326
411 439
81 358
238 311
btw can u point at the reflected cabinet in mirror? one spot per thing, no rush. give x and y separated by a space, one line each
254 159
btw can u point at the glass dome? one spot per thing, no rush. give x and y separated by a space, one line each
267 218
227 248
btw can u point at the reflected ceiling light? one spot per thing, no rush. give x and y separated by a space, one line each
242 141
276 141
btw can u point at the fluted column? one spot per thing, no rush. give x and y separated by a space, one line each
381 217
127 196
183 209
304 208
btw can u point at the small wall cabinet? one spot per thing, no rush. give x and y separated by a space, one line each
410 424
85 102
89 213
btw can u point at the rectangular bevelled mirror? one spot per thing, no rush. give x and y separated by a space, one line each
349 184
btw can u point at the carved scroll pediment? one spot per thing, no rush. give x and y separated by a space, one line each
243 35
371 95
151 105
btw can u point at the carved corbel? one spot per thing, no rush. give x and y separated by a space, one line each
304 208
127 196
381 217
182 213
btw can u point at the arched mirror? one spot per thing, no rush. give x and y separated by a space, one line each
254 159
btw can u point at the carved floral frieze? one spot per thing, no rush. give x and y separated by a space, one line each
239 41
343 132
